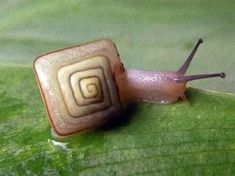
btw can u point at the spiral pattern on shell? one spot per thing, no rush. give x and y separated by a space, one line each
78 86
85 90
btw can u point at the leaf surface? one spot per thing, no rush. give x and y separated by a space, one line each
185 138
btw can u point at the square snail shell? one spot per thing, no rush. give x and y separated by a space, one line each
77 86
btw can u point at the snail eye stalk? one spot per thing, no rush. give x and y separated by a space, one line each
182 79
184 67
186 64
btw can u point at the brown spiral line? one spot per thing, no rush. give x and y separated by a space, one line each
108 93
91 84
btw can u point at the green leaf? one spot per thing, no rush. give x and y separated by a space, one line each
186 138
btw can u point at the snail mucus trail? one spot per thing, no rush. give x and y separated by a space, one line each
158 87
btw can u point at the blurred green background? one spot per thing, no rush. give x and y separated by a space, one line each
150 35
187 138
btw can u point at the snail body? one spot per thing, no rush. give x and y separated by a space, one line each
84 86
158 87
149 86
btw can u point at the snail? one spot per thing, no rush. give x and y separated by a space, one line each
84 86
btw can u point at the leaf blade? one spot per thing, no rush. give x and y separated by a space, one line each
183 138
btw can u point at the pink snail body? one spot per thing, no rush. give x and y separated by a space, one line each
149 86
85 86
157 87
